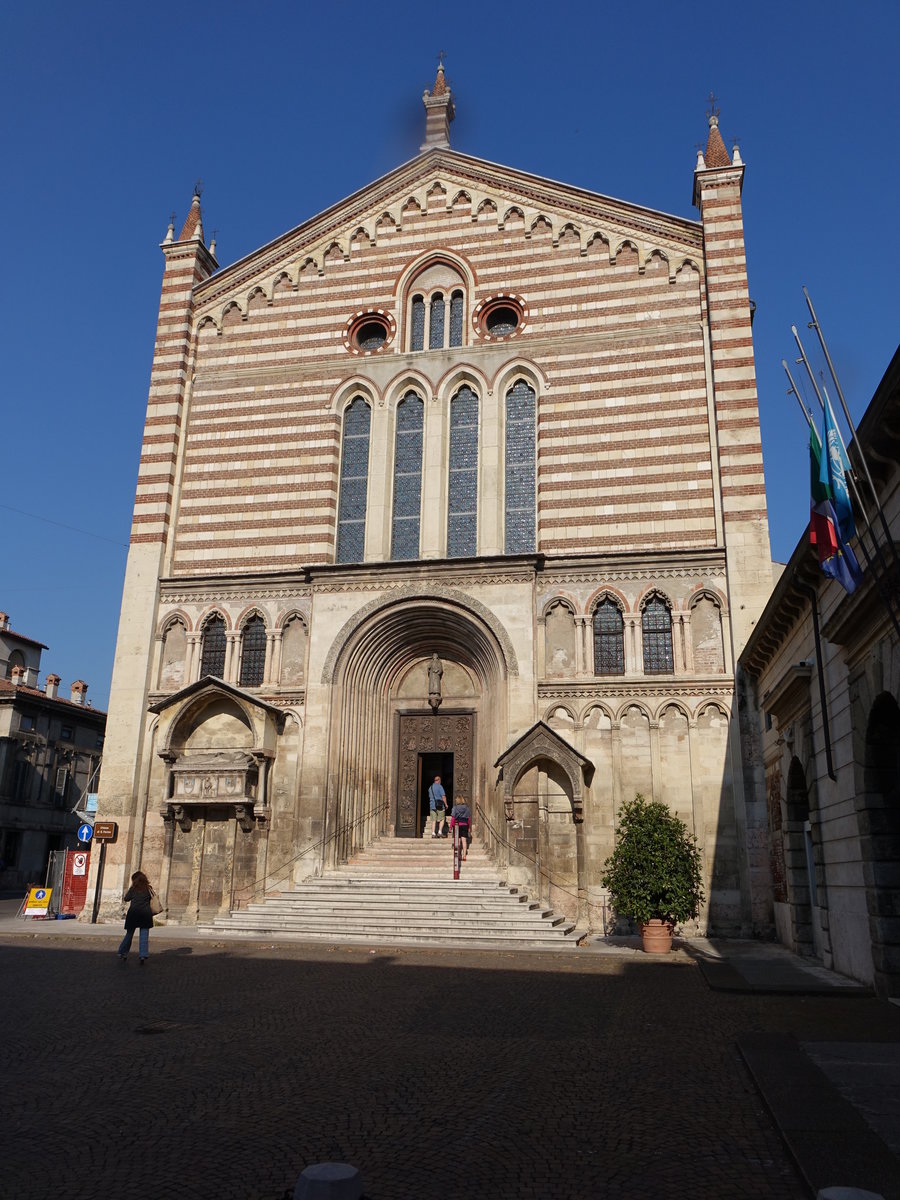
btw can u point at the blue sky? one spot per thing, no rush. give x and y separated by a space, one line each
112 111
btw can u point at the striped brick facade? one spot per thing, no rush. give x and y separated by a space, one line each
633 334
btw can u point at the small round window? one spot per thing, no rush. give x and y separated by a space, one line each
369 332
501 321
500 316
371 336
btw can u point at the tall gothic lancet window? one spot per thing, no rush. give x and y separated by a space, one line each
462 507
212 658
417 334
609 639
656 629
520 469
351 538
407 477
456 319
253 653
436 327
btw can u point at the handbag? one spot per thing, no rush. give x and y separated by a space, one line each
156 905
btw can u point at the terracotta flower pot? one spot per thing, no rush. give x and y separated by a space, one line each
656 936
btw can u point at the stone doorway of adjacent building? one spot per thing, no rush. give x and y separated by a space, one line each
429 766
431 744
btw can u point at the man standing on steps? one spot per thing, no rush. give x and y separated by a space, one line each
437 805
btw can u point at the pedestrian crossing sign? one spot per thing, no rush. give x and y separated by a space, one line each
37 901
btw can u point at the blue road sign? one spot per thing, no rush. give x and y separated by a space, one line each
85 832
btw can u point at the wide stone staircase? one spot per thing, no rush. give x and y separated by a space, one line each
402 891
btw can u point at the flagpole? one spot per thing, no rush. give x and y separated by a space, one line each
880 584
814 324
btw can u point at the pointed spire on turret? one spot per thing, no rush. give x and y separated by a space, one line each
439 112
170 232
193 221
716 155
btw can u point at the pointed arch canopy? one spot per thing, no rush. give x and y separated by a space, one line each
542 742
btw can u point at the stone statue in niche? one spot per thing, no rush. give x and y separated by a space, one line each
435 671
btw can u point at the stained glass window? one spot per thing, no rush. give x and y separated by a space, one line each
212 658
520 469
354 482
456 319
253 653
417 333
656 627
609 639
407 477
436 328
462 514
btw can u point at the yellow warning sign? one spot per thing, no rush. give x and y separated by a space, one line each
37 901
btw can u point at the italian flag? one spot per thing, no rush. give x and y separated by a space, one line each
835 558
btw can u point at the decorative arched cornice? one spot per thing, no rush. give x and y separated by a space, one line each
654 593
679 705
460 375
406 381
519 368
178 616
252 610
633 703
554 708
385 603
607 592
609 713
568 602
288 615
706 706
218 611
706 592
347 391
421 263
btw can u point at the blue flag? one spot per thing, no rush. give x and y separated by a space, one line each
833 469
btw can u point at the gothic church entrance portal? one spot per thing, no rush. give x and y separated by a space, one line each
430 745
386 726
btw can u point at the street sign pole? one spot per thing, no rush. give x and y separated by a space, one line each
99 883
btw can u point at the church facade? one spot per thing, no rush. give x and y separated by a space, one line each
462 476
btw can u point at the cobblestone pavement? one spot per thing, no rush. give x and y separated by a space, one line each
220 1071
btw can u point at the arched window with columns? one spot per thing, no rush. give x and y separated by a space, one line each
609 638
253 653
212 656
656 633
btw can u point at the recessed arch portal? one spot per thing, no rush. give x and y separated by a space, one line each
382 720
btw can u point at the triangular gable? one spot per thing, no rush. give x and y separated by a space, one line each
212 683
561 205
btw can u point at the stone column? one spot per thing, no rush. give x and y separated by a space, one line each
192 657
232 655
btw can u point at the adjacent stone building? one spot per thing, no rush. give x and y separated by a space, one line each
466 412
831 743
50 752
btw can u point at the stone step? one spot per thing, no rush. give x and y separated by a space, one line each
482 940
370 927
398 891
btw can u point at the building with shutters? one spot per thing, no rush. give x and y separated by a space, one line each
466 412
50 752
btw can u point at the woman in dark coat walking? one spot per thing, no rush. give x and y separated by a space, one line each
138 917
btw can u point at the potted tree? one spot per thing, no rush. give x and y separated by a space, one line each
654 874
